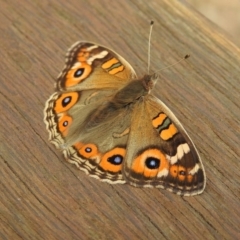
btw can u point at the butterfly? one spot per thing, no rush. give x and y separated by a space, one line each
107 123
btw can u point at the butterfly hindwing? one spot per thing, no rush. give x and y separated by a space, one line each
65 113
101 149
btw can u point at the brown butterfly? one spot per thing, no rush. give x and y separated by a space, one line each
107 123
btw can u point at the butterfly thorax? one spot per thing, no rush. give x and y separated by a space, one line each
133 91
122 101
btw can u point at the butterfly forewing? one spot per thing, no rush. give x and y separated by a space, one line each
91 66
160 153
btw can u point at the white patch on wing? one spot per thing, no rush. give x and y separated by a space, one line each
181 150
186 148
76 65
92 47
194 170
163 173
97 56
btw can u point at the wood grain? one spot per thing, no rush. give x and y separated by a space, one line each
42 196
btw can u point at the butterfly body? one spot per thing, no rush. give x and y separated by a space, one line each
107 123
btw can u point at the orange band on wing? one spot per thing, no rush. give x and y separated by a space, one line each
116 70
168 133
113 66
157 121
109 63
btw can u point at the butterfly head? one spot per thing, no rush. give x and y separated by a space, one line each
149 81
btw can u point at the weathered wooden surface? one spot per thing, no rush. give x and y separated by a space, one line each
42 196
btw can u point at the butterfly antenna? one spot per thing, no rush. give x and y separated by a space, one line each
149 45
184 58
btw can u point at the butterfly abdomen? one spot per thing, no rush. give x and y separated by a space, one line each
126 96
